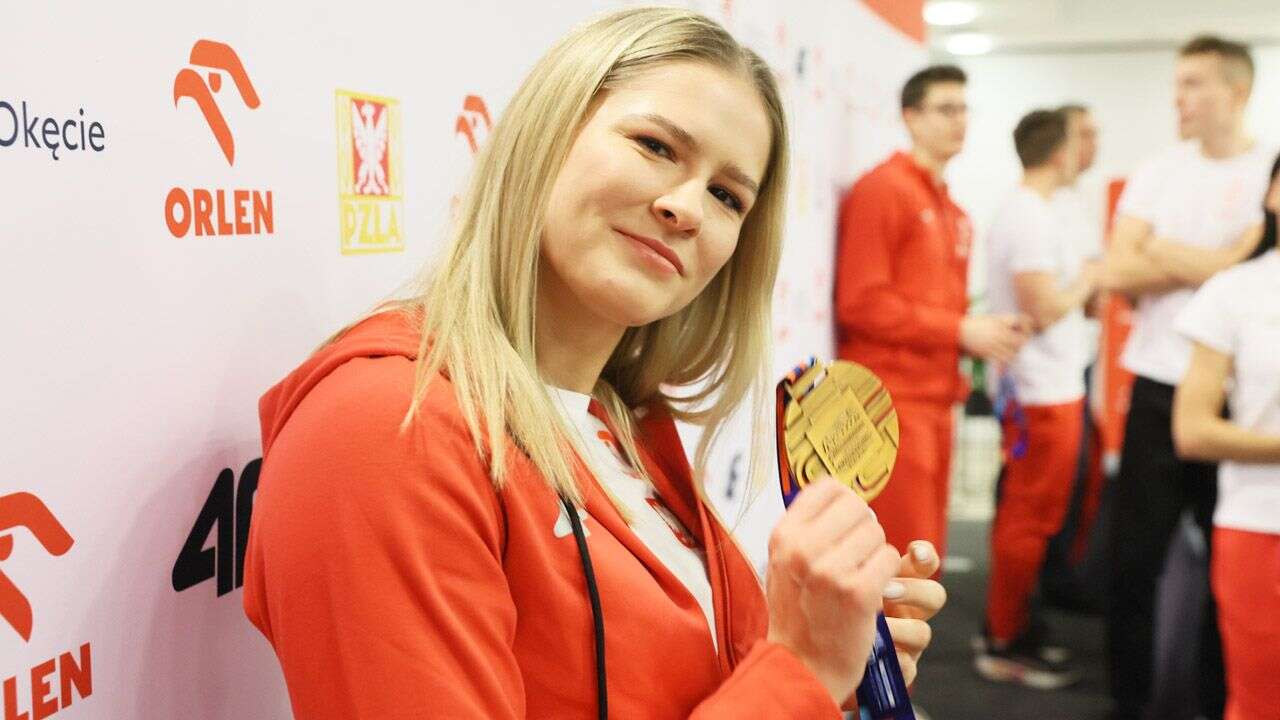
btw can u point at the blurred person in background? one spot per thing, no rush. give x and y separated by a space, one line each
1035 267
1233 323
1186 214
1072 568
901 302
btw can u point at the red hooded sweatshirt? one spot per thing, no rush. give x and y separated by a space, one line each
394 581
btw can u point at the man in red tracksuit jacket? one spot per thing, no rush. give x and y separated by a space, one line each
901 300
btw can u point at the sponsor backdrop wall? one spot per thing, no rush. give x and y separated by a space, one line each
192 198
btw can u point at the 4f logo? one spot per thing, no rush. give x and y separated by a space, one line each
214 57
25 510
227 510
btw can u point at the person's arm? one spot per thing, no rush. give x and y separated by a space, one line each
376 569
1199 431
1040 297
375 563
1126 269
1192 265
868 301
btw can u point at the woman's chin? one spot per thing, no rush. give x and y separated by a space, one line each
636 314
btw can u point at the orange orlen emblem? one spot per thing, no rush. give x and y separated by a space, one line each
26 510
188 83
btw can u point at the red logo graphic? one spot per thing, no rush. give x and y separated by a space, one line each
607 438
474 111
214 56
25 510
474 115
369 143
612 443
673 522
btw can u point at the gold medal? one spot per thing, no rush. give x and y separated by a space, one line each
838 420
835 419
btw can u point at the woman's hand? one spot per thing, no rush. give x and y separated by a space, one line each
911 599
828 568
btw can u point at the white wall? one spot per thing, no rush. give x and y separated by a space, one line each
1131 94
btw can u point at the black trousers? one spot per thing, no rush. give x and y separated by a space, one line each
1152 491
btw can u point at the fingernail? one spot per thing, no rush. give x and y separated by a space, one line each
894 590
921 552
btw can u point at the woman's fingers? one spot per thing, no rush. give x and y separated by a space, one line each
855 547
910 636
914 598
812 500
920 560
908 666
844 513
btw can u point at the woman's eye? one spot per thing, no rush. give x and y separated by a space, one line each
727 198
656 147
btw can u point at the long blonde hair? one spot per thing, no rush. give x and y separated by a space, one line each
477 306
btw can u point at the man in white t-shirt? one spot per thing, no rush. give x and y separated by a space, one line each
1070 562
1078 205
1035 268
1186 214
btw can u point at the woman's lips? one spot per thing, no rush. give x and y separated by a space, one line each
658 247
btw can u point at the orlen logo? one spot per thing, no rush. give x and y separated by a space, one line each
473 124
474 112
24 510
370 175
221 211
188 83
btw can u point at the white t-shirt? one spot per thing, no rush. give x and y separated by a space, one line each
1078 209
656 526
1191 199
1237 313
1025 236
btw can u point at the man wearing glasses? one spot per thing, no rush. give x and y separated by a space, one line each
901 300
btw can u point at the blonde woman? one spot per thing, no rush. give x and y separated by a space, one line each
475 503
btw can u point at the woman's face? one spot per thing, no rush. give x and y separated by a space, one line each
653 194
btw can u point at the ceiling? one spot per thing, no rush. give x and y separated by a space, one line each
1036 26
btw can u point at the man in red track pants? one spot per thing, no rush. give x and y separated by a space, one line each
901 300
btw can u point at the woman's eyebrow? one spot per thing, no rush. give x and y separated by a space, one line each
682 136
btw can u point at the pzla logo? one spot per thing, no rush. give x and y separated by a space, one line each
370 178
